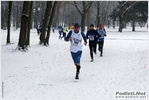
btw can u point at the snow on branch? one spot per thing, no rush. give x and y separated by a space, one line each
88 5
124 3
25 15
129 7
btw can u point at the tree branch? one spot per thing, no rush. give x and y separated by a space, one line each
75 4
93 13
78 8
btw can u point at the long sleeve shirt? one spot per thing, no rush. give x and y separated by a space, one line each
92 35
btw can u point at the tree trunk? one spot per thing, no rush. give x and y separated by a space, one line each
14 16
133 21
83 17
29 23
2 17
108 23
35 17
14 19
57 13
8 23
50 22
31 15
24 26
133 25
45 22
98 16
120 23
113 23
5 18
102 16
88 19
124 24
17 19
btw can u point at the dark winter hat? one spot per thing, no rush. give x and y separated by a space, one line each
76 25
91 25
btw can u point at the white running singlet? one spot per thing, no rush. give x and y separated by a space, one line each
76 43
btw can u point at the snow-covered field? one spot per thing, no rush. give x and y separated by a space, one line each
48 72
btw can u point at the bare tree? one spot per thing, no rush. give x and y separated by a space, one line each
8 24
29 23
86 5
50 22
100 11
22 44
45 23
122 10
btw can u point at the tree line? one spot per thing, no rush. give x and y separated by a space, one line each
27 14
130 11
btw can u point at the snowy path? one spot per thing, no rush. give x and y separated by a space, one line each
48 72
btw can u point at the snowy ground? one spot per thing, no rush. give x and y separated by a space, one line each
49 72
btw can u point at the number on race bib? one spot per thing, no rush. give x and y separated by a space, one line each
91 37
75 41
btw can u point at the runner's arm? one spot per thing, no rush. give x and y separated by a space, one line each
68 36
84 37
87 35
97 34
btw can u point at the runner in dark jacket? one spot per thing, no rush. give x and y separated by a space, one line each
93 36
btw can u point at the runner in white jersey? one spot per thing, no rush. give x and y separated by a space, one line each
75 37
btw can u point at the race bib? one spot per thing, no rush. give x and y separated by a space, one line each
91 37
75 41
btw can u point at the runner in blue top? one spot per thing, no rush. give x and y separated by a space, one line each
53 28
60 31
75 37
102 33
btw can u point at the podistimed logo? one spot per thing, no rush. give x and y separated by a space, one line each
130 95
